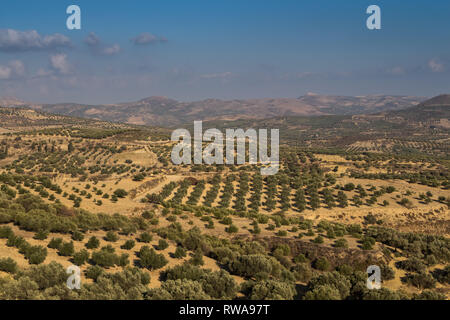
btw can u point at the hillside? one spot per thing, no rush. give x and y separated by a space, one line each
435 111
163 111
441 100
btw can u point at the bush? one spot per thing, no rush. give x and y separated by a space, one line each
321 264
120 193
55 243
105 257
429 295
150 259
387 273
254 264
412 265
41 235
333 279
36 254
197 258
302 272
93 243
77 236
421 280
145 237
162 244
81 257
93 272
341 243
300 258
5 232
123 260
111 236
128 245
66 249
324 292
232 229
8 265
269 290
318 239
180 289
179 253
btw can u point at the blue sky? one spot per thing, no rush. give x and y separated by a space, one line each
193 50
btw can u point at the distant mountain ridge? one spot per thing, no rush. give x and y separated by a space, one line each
434 111
163 111
441 100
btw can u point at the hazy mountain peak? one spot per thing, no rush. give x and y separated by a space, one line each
10 101
443 99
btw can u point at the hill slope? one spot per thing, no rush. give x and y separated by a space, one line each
163 111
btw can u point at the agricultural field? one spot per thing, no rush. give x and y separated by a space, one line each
107 198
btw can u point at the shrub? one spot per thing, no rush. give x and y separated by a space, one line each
150 259
282 233
105 257
179 253
5 232
335 280
162 244
323 292
36 254
120 193
253 264
232 229
81 257
145 237
66 249
128 245
411 264
77 236
318 239
111 236
321 264
93 272
421 280
429 295
302 272
93 243
180 289
387 273
270 290
55 243
8 265
197 258
41 235
341 243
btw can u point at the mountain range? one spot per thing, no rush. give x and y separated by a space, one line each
163 111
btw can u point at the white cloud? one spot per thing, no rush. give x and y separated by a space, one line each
109 51
18 67
435 65
60 64
5 72
97 47
146 38
16 41
92 39
14 69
